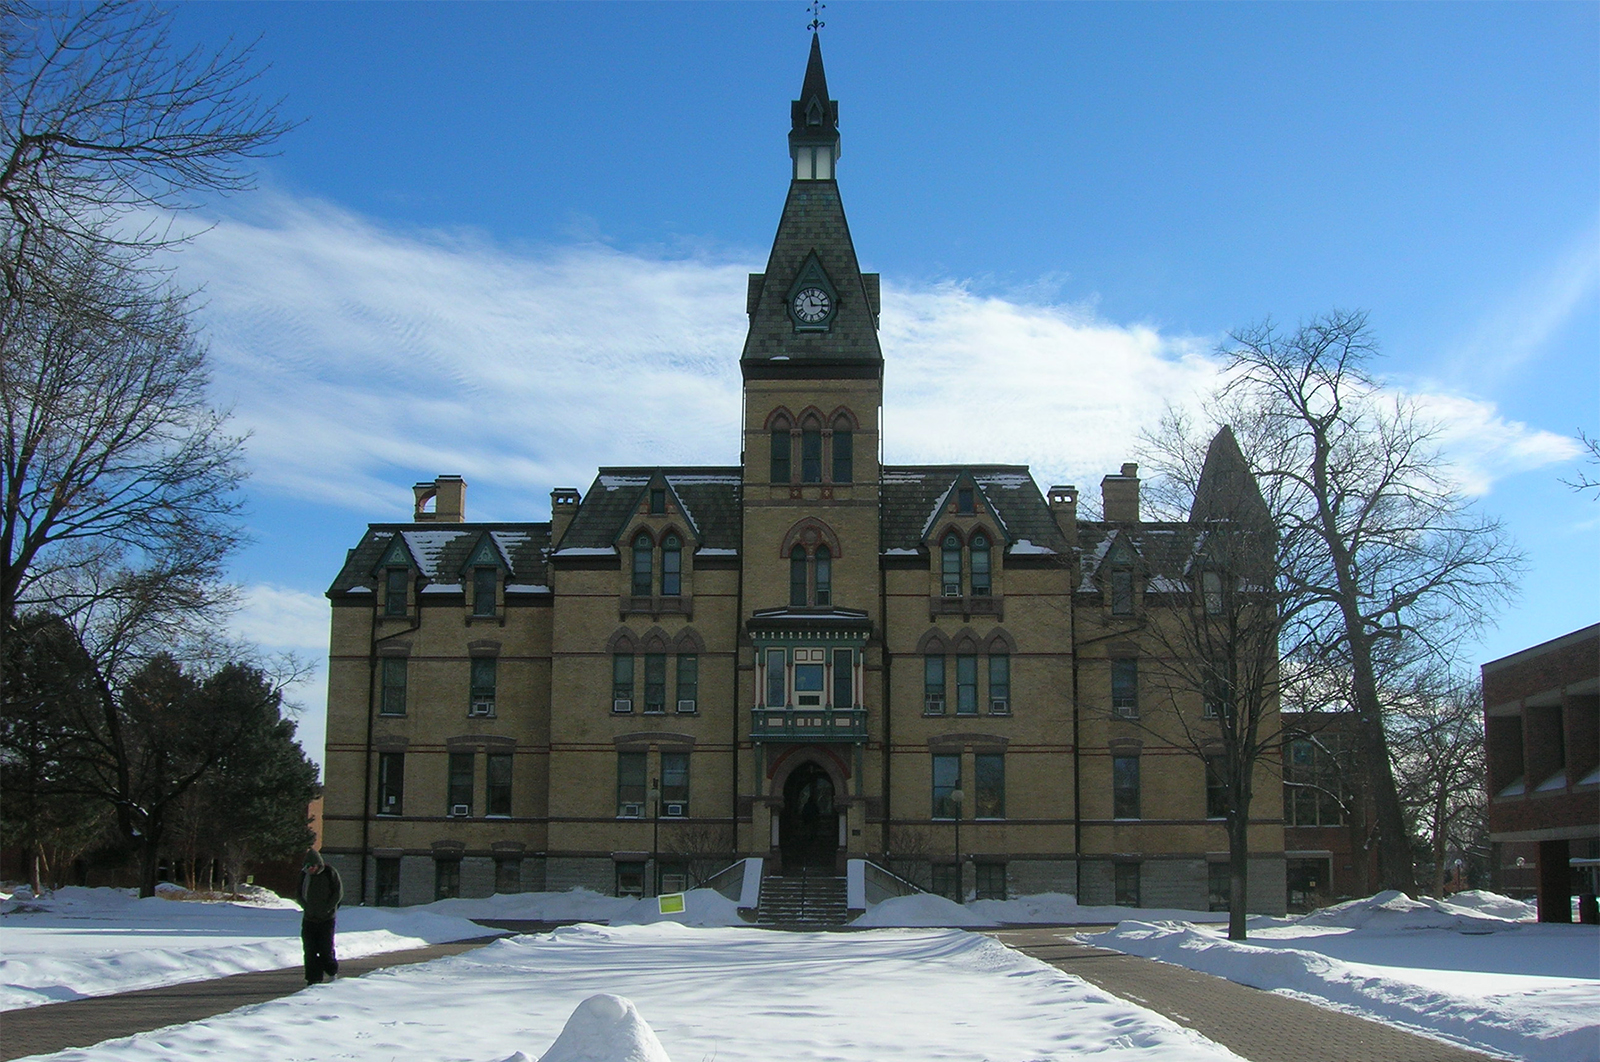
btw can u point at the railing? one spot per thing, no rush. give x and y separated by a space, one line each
808 724
878 884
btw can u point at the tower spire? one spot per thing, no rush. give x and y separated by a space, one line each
814 123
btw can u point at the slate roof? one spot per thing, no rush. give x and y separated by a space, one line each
440 550
709 496
1164 551
911 495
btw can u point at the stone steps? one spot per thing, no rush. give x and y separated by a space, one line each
803 902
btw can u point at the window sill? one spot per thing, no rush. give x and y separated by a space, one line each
967 606
640 604
391 715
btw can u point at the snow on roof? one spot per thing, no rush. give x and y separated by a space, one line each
618 482
1025 545
898 551
1161 584
527 588
426 547
716 551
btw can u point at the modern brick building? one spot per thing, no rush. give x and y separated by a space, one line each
806 656
1542 724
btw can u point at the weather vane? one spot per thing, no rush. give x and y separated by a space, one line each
816 8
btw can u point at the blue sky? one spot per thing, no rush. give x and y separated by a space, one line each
509 241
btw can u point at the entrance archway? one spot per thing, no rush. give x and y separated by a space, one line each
808 829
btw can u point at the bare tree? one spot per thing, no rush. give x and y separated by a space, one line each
1436 735
1395 564
102 119
1585 480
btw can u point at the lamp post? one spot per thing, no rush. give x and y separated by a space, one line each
655 836
956 796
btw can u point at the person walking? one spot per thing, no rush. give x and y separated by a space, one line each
320 894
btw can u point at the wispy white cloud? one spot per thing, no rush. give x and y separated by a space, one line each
1482 446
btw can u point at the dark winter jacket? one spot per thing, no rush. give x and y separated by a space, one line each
321 893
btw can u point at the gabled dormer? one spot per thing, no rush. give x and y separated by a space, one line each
397 574
1117 573
656 545
483 577
966 538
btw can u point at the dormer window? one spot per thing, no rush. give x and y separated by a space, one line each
950 581
1211 592
981 584
658 501
396 584
485 583
642 568
964 501
671 566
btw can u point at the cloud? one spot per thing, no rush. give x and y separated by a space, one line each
1481 446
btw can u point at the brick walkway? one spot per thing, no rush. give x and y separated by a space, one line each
1260 1026
85 1022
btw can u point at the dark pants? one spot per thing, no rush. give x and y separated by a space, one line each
318 940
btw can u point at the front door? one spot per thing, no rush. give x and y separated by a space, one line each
808 831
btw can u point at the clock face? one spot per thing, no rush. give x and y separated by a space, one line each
812 305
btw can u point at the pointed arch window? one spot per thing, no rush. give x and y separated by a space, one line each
843 452
981 581
781 443
642 568
811 454
797 577
824 575
671 566
950 565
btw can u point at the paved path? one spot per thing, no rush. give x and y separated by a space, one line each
1260 1026
84 1022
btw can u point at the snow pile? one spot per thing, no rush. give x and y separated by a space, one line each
918 910
1530 992
578 905
1059 908
702 907
77 942
1492 903
606 1028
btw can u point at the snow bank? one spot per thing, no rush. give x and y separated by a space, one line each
1531 992
702 907
1059 908
606 1028
577 905
1491 903
77 942
920 910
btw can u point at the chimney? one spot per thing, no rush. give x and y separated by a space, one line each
563 507
1064 507
449 497
1119 495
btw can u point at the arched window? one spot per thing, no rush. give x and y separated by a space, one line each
641 565
780 451
980 565
797 577
951 566
1211 590
671 566
843 452
811 454
824 592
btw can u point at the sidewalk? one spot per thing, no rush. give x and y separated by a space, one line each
85 1022
1257 1025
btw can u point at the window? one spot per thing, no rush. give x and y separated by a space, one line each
843 456
688 682
1311 788
991 883
780 452
989 785
458 798
946 881
397 581
393 701
1122 591
655 682
1125 687
1211 591
951 566
981 583
1216 788
1125 878
933 684
671 566
446 879
622 682
387 888
999 684
966 684
630 879
630 785
797 577
946 780
1219 886
391 783
844 683
658 501
485 670
1125 787
641 565
824 591
675 784
808 683
484 584
1217 696
964 500
811 455
777 687
497 793
507 874
671 876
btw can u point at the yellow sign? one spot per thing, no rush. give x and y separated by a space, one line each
671 902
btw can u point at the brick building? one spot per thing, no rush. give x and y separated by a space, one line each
1542 725
807 656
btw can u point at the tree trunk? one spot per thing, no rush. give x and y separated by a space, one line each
1395 866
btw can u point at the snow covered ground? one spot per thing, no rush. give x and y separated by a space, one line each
74 942
732 995
1473 970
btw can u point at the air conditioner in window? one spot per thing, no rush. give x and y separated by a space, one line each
631 811
999 706
675 811
686 707
460 811
1126 711
622 705
391 801
481 707
933 704
952 589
